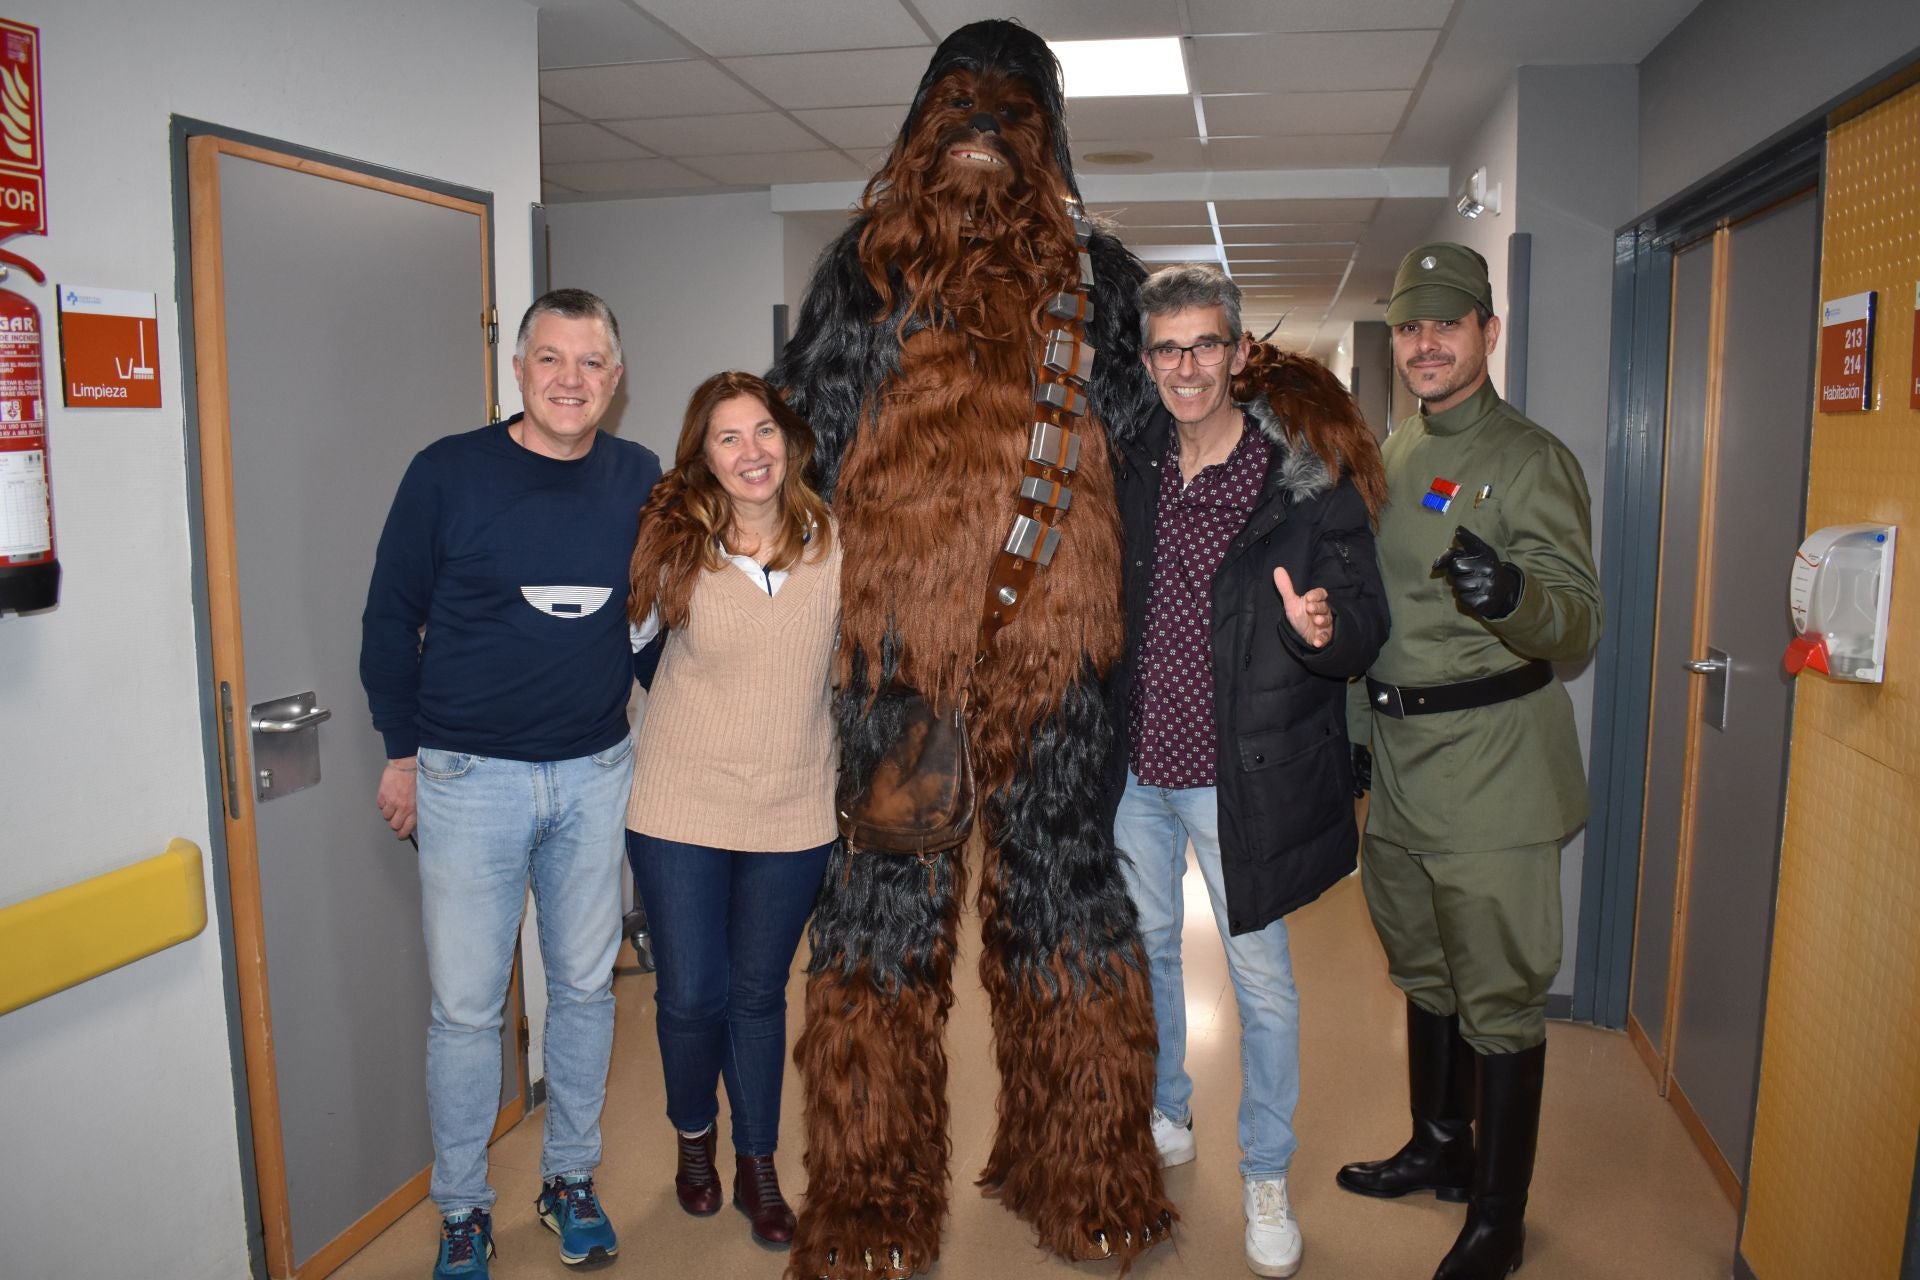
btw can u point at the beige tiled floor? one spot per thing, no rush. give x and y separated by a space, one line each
1619 1192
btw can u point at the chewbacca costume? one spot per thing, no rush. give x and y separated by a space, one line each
914 361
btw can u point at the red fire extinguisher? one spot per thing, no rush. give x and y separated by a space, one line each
29 573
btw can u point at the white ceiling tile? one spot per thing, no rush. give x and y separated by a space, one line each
607 177
565 143
753 131
1321 62
1320 280
1165 235
632 90
1316 15
1166 213
1137 118
551 190
552 114
733 30
1261 259
1312 151
783 166
1063 19
1255 212
871 160
1364 111
852 78
862 127
1177 155
589 33
1205 251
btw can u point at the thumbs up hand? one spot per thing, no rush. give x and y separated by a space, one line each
1310 614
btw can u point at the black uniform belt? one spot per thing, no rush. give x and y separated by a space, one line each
1401 700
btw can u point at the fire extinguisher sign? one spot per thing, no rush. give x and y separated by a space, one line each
109 348
26 518
23 167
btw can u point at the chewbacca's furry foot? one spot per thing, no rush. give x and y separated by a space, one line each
888 1263
1100 1246
841 1250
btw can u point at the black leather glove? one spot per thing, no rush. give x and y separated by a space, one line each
1482 582
1362 770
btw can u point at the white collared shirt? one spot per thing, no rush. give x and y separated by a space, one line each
639 634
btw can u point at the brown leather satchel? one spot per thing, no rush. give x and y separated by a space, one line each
920 799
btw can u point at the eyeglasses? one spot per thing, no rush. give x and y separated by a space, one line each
1206 353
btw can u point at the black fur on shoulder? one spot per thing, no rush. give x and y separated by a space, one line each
842 346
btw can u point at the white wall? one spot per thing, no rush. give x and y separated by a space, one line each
1578 155
1736 72
1562 142
693 281
120 1148
1496 148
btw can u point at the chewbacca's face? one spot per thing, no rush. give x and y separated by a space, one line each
981 132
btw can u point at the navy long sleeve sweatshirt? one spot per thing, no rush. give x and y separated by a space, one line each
515 564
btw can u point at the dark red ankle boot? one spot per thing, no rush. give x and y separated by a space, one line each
756 1193
697 1182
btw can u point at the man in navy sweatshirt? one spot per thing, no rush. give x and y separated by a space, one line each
495 658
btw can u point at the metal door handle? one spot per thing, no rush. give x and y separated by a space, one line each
1706 666
293 724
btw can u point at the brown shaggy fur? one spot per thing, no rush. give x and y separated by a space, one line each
1311 402
875 1067
1071 1155
925 497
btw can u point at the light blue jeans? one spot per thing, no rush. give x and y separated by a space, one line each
1152 828
488 827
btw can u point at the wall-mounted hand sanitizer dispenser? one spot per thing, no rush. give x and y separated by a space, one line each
1839 596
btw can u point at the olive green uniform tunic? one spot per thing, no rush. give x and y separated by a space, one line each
1469 807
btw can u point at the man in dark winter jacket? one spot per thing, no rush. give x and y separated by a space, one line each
1252 595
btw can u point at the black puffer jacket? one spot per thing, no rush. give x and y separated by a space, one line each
1285 773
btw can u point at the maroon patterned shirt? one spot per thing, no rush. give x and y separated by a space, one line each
1170 722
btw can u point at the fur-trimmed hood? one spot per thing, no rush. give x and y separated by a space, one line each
1301 473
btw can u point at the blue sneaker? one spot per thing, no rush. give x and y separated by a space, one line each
466 1242
571 1211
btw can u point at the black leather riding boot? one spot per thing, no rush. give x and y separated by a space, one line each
1489 1246
1439 1156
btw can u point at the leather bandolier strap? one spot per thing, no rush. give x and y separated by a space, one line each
1061 374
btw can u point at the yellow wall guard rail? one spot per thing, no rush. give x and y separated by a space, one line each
63 938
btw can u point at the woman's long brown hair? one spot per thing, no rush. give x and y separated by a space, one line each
688 514
1313 406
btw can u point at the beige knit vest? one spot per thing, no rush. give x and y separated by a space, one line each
736 750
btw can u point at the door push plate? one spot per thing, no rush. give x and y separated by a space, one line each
286 745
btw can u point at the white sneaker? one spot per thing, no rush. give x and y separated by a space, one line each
1273 1237
1173 1141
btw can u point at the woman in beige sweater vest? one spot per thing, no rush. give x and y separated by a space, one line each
732 814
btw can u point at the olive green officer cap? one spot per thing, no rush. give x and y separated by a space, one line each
1440 281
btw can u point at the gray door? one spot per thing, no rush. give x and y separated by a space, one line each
353 337
1739 422
1673 643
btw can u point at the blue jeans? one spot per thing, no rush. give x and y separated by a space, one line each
1152 828
725 927
487 827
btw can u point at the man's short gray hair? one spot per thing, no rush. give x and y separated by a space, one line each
1187 286
569 304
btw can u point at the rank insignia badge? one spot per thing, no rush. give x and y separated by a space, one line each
1439 496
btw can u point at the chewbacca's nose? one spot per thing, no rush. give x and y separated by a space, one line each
983 122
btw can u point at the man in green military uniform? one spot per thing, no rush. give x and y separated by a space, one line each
1486 554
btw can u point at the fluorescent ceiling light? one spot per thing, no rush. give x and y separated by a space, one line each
1121 68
